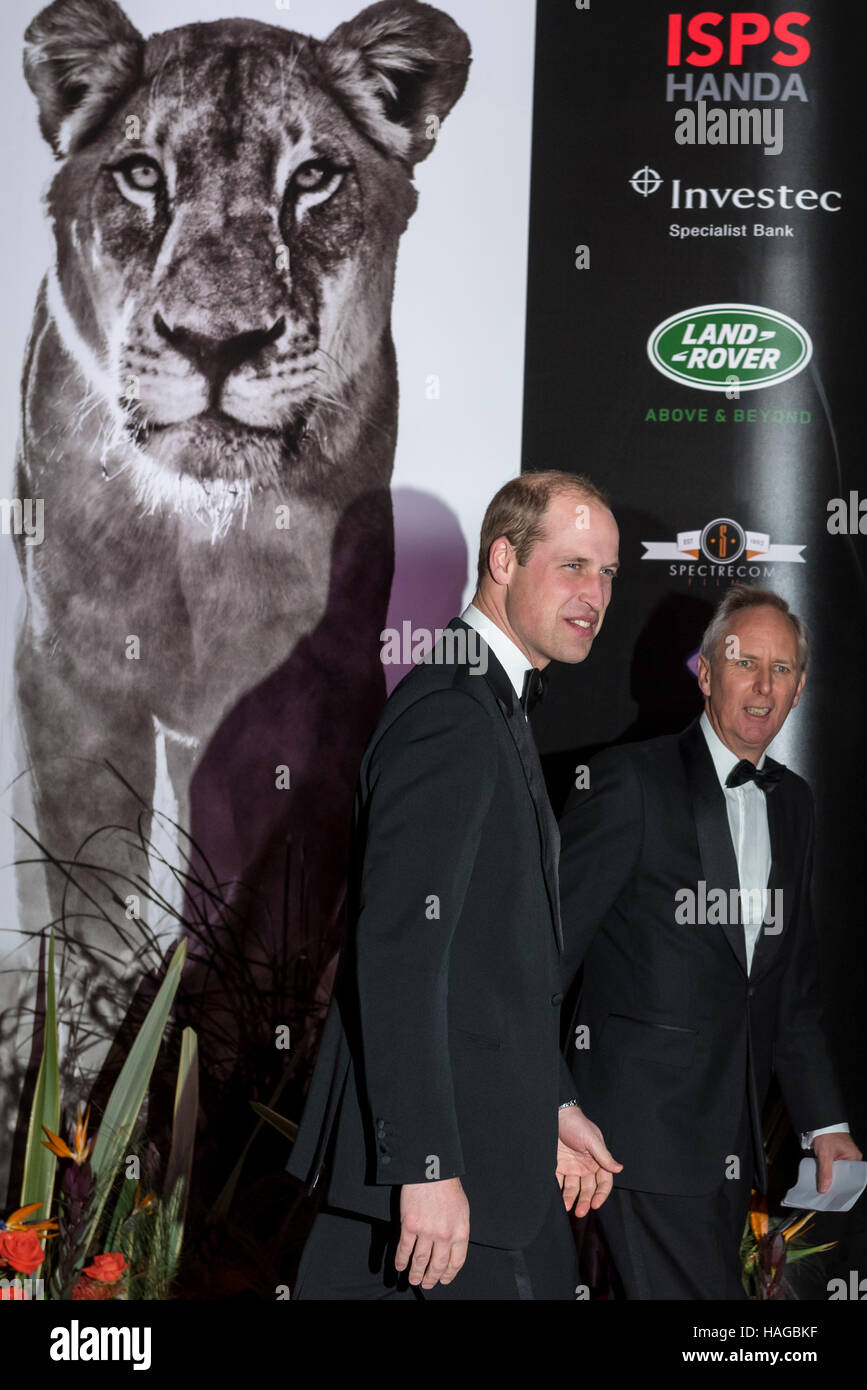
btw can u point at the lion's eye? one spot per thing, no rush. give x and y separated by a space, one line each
315 180
312 175
138 175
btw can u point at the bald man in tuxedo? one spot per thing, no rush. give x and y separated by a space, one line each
685 888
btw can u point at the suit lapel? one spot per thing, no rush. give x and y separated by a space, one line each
525 746
549 831
780 877
718 860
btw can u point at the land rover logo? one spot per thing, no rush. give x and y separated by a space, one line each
718 347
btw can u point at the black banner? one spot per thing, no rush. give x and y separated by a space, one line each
694 312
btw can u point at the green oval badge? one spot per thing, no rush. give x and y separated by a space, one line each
723 347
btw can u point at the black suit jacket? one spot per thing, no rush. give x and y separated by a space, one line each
679 1035
441 1050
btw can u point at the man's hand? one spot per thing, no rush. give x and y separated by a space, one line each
585 1168
434 1231
827 1147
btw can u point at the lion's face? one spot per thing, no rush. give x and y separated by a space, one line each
235 259
227 230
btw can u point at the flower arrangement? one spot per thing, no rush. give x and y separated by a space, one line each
769 1247
118 1223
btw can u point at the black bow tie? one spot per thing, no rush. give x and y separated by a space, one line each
765 778
534 689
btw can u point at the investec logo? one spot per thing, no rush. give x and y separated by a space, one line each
647 180
716 347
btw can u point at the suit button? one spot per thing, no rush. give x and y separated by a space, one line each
750 991
556 999
384 1158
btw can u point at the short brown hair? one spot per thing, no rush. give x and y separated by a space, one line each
518 510
742 596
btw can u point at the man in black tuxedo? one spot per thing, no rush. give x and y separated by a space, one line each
440 1106
685 883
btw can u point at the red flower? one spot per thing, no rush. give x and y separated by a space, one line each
21 1249
106 1269
91 1290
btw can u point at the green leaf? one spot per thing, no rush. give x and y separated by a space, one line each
40 1164
180 1165
287 1127
161 1263
122 1209
220 1209
129 1091
799 1254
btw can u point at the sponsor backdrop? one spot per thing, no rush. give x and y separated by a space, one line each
693 343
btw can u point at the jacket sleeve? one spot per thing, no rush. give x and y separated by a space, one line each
802 1058
431 779
601 835
567 1084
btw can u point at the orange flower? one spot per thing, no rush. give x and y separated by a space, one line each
82 1148
759 1215
21 1249
18 1222
106 1269
144 1203
800 1224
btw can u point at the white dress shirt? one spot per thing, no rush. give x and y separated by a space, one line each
747 812
511 658
748 823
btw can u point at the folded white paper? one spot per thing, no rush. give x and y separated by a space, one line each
847 1183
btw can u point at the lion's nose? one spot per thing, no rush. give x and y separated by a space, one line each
216 358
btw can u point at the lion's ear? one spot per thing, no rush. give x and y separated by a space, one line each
399 67
80 56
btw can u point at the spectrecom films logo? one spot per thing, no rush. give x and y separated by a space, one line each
716 347
723 548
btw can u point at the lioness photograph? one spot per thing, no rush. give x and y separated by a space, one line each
209 416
